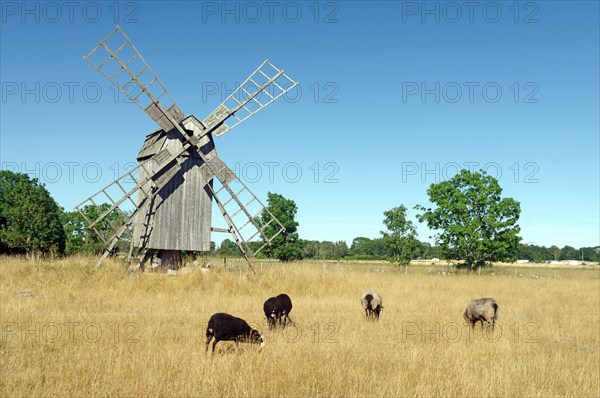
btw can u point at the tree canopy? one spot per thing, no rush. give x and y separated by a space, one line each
401 236
81 239
30 220
476 224
286 246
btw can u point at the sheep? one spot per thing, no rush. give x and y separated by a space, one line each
483 309
273 310
286 307
372 303
225 327
277 309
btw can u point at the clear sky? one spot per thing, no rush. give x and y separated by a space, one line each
393 96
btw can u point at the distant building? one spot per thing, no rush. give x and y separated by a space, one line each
564 262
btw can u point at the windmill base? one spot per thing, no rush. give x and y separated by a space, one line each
162 260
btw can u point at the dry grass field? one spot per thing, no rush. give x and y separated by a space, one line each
71 331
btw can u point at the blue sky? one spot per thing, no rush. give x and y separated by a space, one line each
393 96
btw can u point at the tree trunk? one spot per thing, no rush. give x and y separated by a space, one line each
170 259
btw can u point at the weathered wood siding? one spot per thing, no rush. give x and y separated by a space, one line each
182 209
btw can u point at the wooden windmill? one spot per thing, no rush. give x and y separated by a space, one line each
165 203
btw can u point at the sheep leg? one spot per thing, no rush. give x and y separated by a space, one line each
214 344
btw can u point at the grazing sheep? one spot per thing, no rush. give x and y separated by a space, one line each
483 309
224 327
285 303
372 303
273 311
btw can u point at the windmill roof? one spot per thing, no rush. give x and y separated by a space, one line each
158 139
152 144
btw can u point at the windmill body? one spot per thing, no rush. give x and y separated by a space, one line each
165 203
179 216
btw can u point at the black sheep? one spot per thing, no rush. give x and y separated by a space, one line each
286 307
224 327
273 311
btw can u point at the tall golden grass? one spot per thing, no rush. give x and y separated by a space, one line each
70 331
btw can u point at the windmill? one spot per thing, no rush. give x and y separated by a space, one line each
164 204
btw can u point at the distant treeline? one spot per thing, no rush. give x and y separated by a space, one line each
375 249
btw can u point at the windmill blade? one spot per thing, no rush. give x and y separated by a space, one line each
117 59
263 86
246 216
110 212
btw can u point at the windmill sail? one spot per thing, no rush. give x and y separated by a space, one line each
117 59
262 87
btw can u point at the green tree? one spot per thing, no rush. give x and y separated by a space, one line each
429 251
229 248
368 249
29 217
75 231
361 248
569 253
477 225
82 239
591 253
401 237
286 246
340 249
311 248
380 250
555 251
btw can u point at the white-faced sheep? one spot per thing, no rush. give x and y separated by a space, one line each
372 303
483 310
224 327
